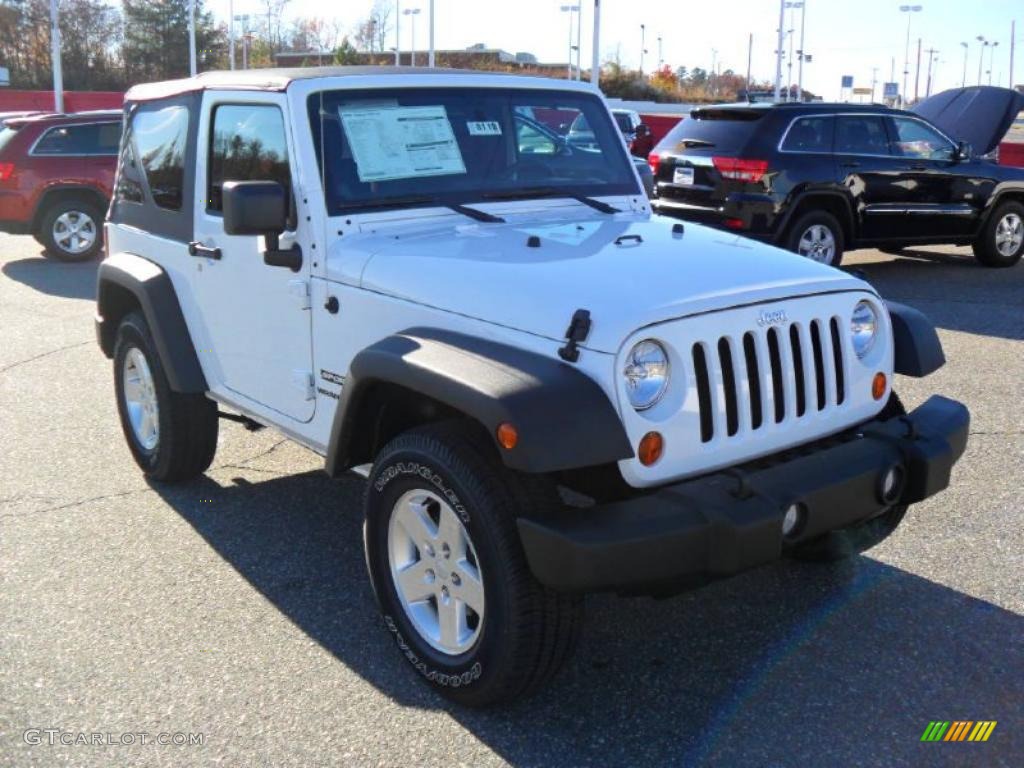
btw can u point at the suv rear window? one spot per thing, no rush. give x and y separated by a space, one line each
88 139
723 130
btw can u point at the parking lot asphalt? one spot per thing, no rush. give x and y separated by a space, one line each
237 606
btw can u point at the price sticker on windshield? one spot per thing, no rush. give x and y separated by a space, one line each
484 128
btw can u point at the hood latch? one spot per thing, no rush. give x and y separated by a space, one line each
579 329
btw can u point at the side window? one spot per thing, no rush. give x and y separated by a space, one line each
129 189
160 136
915 139
92 139
247 143
861 135
810 134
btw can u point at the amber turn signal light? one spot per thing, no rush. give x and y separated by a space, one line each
878 386
652 445
507 436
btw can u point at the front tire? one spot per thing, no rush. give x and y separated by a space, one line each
450 574
72 230
172 435
1001 241
817 236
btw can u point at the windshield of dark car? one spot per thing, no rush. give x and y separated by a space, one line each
459 145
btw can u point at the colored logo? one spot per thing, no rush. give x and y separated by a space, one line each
958 730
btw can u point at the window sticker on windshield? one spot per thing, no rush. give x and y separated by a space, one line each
484 128
401 142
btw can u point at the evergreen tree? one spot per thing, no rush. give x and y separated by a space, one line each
156 44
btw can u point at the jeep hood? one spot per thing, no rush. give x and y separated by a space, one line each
980 115
628 270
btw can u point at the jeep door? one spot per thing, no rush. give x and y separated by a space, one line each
256 317
942 195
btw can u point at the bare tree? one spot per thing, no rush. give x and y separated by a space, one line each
372 33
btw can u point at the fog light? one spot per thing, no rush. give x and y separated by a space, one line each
891 485
793 520
651 447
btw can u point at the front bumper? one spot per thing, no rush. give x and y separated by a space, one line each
728 522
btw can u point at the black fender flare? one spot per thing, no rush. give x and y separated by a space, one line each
1003 191
563 417
917 350
153 291
801 197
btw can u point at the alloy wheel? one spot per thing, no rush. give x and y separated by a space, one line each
140 399
74 232
436 572
1009 234
818 244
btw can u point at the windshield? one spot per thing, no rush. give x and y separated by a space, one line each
624 123
410 146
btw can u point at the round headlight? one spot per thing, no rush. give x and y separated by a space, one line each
646 374
863 327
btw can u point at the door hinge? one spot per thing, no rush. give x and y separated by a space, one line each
303 381
300 290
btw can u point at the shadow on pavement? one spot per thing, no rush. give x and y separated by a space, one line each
55 278
954 291
793 664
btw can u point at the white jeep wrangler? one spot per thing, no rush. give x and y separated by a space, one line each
557 391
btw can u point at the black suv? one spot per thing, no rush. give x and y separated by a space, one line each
819 179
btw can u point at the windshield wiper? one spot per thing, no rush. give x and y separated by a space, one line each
694 143
533 193
399 202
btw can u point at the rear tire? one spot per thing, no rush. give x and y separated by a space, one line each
71 230
511 634
817 235
1001 241
172 435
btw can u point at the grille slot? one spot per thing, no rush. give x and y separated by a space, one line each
768 377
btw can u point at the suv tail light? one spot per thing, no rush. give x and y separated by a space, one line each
6 171
740 169
654 160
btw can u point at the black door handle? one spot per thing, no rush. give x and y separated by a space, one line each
852 164
196 248
627 238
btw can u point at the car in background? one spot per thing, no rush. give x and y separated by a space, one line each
57 177
635 132
820 178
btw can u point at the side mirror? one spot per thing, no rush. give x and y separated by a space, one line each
964 152
260 208
254 208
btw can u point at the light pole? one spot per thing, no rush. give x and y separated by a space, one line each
963 81
992 60
570 9
800 68
778 51
714 63
192 37
430 56
910 10
874 82
414 12
231 32
579 41
643 46
398 34
595 61
981 54
661 58
58 74
928 84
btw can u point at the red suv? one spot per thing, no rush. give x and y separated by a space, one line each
56 178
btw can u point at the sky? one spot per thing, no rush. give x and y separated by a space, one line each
844 37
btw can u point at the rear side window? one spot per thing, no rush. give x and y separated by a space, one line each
247 144
721 130
809 134
90 139
160 137
861 135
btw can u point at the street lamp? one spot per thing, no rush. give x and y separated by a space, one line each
963 82
910 10
414 12
789 66
570 9
661 58
992 60
711 75
430 56
981 54
643 46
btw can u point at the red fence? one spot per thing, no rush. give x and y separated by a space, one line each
74 101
